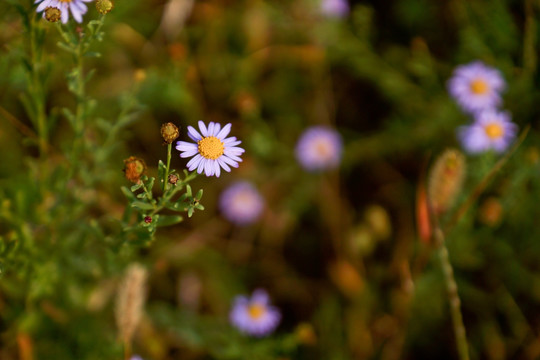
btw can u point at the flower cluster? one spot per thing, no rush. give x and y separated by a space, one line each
477 89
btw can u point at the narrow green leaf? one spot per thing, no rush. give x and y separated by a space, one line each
136 187
167 220
128 193
142 205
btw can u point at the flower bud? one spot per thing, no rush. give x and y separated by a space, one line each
52 14
134 168
148 219
173 179
104 6
445 180
169 132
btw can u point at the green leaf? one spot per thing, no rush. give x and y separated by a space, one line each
93 54
128 193
142 205
178 206
136 187
199 195
167 220
150 184
66 47
190 212
188 191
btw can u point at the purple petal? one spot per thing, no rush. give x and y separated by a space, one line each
224 132
185 146
193 134
193 163
202 127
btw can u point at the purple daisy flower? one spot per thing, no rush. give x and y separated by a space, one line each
491 130
319 148
476 86
337 8
241 203
76 7
212 151
255 316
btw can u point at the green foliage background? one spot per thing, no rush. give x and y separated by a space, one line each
337 251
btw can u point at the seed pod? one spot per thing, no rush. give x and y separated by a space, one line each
445 180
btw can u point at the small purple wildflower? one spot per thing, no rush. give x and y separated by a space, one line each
335 8
255 316
476 86
212 151
319 148
491 130
76 7
136 357
241 203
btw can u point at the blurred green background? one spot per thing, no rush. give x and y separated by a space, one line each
337 251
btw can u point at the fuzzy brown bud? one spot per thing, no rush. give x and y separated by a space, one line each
104 6
134 168
52 14
445 180
173 179
169 132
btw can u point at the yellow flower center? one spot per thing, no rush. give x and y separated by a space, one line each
255 311
211 147
479 87
493 130
323 149
65 0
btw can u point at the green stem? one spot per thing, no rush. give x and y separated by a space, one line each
36 92
166 180
453 296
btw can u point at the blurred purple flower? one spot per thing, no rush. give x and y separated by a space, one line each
241 203
254 316
77 8
476 86
212 151
491 130
319 148
337 8
136 357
